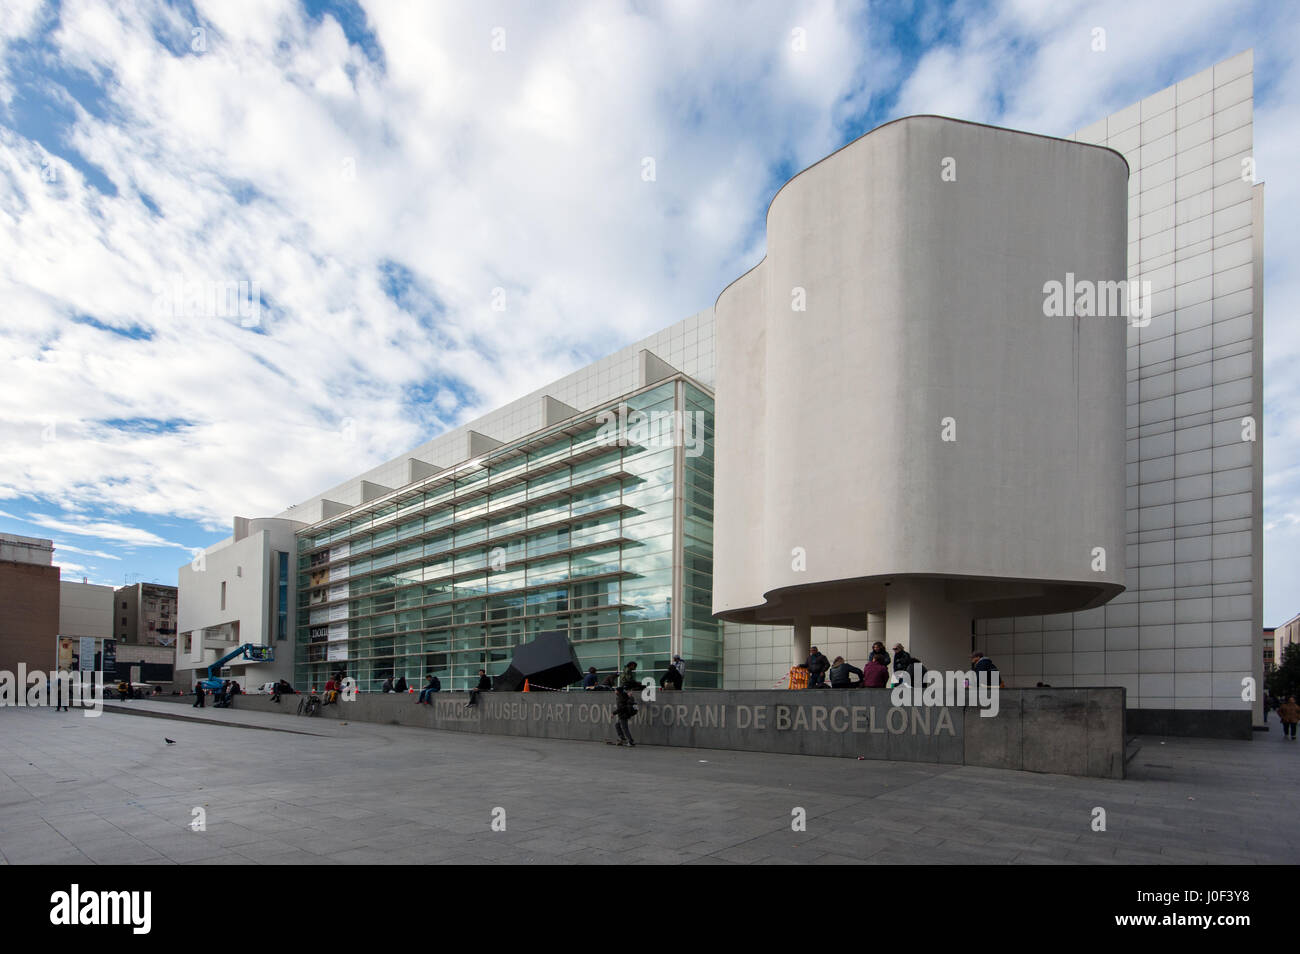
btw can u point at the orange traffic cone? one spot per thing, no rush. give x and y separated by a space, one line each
525 685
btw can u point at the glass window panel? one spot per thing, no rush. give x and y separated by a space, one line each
661 396
471 533
509 579
549 451
644 462
439 518
472 586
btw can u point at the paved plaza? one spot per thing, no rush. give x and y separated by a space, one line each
277 789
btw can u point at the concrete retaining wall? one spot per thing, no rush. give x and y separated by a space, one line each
1065 731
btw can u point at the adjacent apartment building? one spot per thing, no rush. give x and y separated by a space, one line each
145 614
589 506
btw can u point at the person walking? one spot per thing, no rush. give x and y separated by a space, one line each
818 665
58 690
1289 713
199 696
624 709
629 680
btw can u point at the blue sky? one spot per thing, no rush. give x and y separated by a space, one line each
234 232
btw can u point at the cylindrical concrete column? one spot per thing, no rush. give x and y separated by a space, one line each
876 629
802 640
931 628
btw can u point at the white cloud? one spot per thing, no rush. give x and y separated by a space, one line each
95 553
473 169
104 530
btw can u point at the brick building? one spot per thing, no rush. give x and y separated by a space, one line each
29 602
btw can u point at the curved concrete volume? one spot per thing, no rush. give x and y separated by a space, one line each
909 422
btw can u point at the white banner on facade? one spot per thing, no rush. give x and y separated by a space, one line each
338 611
339 591
339 551
339 572
336 651
86 654
320 615
338 630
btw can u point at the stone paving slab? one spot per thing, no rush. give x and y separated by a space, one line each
77 790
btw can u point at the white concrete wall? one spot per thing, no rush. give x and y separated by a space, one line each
1186 631
248 570
85 609
19 549
924 301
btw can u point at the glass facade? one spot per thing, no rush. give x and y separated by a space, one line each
282 596
600 528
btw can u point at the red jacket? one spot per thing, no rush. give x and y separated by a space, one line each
875 676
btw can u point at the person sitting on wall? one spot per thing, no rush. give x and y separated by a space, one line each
590 679
484 685
400 685
608 683
876 673
387 686
842 675
331 693
672 677
982 666
432 684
